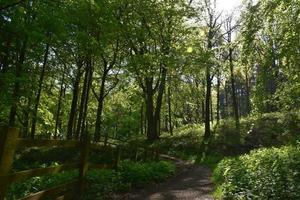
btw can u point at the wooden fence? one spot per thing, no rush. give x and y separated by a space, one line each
10 142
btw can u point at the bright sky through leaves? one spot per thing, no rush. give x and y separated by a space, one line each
228 5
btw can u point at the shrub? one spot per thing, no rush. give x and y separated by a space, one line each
272 173
271 129
103 182
138 174
43 157
184 143
20 189
265 130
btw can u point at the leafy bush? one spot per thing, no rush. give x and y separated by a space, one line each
43 157
38 183
105 155
272 173
138 174
265 130
184 143
102 183
227 134
271 129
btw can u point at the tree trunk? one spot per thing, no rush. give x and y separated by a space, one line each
152 133
38 94
159 99
233 91
207 106
248 103
87 93
169 107
83 101
16 90
203 111
211 110
218 98
61 91
73 110
100 99
142 118
226 109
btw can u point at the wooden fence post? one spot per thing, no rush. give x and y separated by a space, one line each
118 157
84 163
8 142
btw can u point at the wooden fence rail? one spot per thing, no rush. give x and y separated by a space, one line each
10 142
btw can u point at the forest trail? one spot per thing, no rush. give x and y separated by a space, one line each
193 182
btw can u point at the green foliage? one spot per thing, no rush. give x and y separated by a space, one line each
263 174
269 129
38 183
273 129
270 49
103 156
138 174
211 160
103 183
184 143
34 158
227 134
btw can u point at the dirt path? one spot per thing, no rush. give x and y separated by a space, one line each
193 182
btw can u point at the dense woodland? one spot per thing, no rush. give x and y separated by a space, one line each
201 83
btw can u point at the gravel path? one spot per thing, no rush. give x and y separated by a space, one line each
192 183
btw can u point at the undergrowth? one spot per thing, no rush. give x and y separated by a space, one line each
102 183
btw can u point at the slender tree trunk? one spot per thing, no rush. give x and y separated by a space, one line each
16 90
207 132
142 118
73 110
38 94
207 106
211 110
80 111
145 122
161 89
233 91
218 98
152 132
58 111
248 104
165 120
86 99
203 111
100 99
80 121
170 107
226 109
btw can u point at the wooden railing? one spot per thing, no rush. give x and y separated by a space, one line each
10 142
